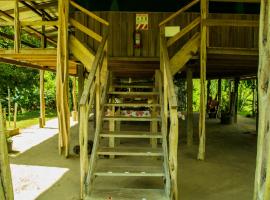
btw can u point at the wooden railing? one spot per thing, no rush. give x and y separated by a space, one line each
186 29
169 115
174 15
164 134
83 28
95 88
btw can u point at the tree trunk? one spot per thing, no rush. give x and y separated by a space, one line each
62 78
262 178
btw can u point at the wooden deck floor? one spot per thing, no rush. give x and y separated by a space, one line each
45 59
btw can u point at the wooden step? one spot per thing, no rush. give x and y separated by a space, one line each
130 134
121 151
130 171
134 105
134 86
134 93
123 118
127 194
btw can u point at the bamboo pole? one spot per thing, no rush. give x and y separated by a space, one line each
74 99
42 99
62 78
42 119
9 108
17 32
262 177
189 108
203 59
6 188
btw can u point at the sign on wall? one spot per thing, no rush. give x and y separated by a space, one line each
171 31
141 21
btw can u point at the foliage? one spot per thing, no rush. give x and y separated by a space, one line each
245 94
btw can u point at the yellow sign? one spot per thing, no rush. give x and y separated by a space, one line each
141 21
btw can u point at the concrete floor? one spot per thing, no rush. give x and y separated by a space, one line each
227 173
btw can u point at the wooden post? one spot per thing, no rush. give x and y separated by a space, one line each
80 84
262 178
112 122
189 108
236 84
42 99
75 103
9 108
17 32
203 59
6 188
62 78
15 115
154 125
42 119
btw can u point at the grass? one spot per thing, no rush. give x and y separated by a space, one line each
245 113
32 118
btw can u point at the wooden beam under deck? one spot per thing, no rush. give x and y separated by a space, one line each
44 59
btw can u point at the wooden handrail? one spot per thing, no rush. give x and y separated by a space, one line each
85 29
179 12
172 96
92 73
184 31
89 13
231 22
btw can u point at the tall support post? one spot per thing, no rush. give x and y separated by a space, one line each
236 84
74 100
42 120
62 78
112 113
203 59
9 108
189 108
154 125
17 27
42 99
262 178
6 188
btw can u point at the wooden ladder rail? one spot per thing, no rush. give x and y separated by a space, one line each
164 136
170 101
93 88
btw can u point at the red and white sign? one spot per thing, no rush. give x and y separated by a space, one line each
141 21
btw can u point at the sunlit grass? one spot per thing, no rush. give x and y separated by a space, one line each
32 118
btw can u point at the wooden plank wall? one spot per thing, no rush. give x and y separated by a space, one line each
122 27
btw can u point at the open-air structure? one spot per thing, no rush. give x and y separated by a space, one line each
120 66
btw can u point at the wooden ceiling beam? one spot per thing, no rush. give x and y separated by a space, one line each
11 37
237 1
28 29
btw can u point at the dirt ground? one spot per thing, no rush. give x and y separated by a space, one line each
227 174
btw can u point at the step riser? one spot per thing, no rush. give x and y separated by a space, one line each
130 119
130 154
135 137
128 175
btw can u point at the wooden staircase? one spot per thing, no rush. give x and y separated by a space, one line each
126 151
134 156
